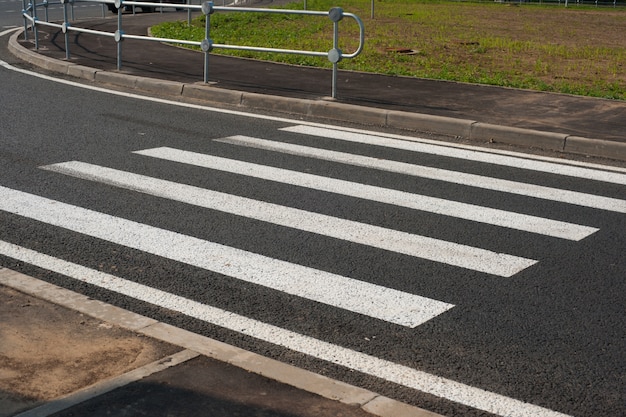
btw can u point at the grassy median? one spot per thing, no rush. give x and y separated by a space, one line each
577 50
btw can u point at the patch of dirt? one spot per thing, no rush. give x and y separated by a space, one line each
554 48
47 351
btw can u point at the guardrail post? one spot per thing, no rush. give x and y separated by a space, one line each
24 10
66 24
119 33
45 7
207 42
334 55
34 16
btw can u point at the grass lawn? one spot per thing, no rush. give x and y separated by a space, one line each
576 50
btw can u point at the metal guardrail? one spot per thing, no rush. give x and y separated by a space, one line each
334 55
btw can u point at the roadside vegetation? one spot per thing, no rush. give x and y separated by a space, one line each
576 50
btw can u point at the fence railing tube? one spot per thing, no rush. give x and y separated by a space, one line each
334 55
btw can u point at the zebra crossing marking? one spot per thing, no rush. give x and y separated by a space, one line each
335 290
436 250
435 205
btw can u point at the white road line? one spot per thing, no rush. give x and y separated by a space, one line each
444 207
472 180
470 155
437 250
351 359
357 296
6 32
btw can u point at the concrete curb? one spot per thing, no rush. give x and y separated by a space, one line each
461 128
196 344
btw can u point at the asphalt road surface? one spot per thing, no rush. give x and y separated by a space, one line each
11 12
462 281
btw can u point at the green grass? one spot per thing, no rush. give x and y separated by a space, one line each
575 50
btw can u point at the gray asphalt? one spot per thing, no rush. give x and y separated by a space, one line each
585 126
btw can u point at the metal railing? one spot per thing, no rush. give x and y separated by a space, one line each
334 55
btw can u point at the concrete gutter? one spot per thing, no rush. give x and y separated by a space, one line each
331 110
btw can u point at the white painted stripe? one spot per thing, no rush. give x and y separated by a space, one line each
472 180
466 154
361 297
444 207
10 30
437 250
351 359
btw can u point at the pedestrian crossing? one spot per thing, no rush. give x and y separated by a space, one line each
361 297
391 240
383 195
341 291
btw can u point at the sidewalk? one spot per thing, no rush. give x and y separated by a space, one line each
556 122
